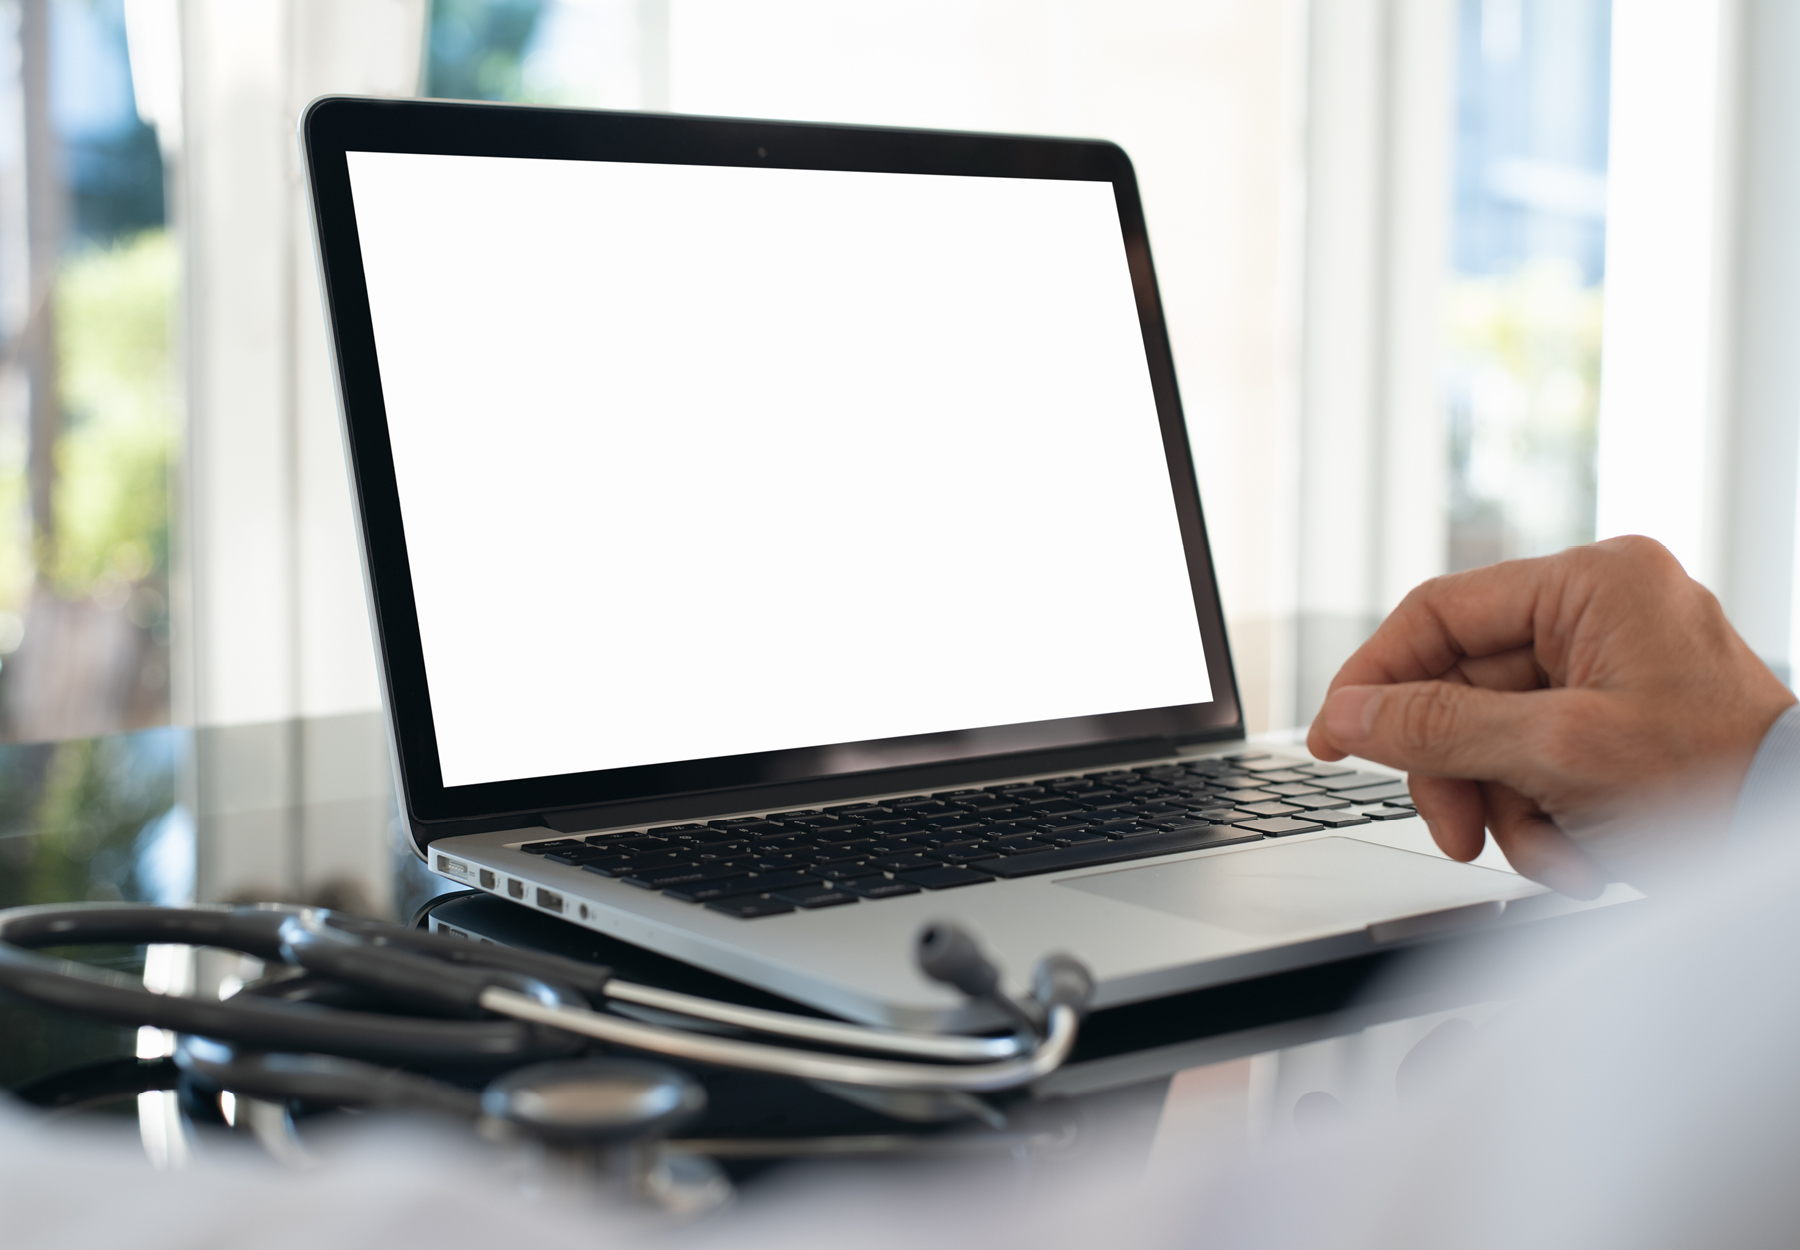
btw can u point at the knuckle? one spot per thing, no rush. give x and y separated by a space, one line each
1564 737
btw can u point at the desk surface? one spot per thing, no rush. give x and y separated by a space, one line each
102 819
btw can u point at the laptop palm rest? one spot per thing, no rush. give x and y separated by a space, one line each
1332 884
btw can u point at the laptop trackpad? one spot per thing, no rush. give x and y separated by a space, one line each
1330 883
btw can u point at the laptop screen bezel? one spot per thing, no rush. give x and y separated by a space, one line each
334 126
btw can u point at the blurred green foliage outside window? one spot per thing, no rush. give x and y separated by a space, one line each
86 454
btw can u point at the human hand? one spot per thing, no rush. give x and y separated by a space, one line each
1594 710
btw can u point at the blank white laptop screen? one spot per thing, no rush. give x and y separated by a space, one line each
699 461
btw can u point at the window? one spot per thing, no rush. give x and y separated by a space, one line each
1528 238
87 409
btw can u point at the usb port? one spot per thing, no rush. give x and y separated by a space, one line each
515 888
487 878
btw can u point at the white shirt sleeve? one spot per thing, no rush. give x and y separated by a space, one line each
1770 797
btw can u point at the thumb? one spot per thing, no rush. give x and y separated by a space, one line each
1443 728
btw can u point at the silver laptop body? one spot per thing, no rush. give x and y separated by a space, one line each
780 536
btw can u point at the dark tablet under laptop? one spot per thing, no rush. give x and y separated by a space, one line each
778 535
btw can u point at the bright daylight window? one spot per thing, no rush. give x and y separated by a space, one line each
1528 234
87 403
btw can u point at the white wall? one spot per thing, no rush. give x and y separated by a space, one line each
1371 456
272 625
1700 394
276 624
1664 371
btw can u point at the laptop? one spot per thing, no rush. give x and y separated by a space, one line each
780 536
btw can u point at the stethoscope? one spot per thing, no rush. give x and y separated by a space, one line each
367 1001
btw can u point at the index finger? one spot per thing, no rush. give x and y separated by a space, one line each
1482 612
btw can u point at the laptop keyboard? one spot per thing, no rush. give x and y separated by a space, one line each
750 866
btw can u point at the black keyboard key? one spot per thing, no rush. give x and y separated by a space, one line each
1323 770
859 838
775 863
896 824
1011 787
1282 776
1019 842
1355 781
544 848
1055 806
577 855
943 878
784 842
628 841
1263 764
1319 802
670 831
625 865
1291 789
954 826
1280 826
609 868
796 814
1375 794
706 891
663 878
901 863
1119 828
737 822
879 887
958 794
1247 794
974 852
1336 819
948 837
919 809
856 809
1384 812
814 896
1075 837
1168 843
1270 809
751 906
845 870
1014 824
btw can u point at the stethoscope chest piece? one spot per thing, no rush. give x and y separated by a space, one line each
594 1100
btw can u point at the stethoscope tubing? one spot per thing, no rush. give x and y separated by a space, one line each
541 1016
1048 1055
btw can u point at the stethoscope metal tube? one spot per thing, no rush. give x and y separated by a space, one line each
947 1047
1046 1057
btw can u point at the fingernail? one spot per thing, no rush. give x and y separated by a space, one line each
1350 713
